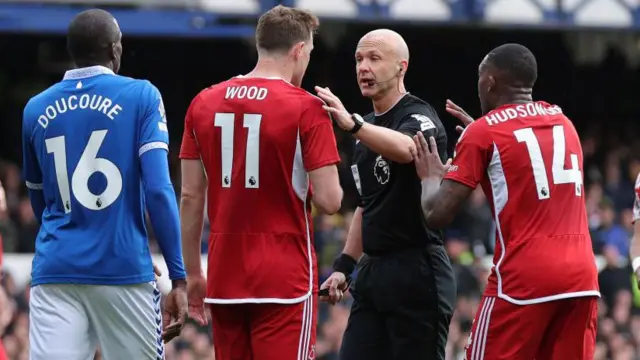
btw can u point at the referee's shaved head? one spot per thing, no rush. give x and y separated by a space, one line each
394 42
93 38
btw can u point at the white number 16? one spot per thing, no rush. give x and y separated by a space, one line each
88 165
560 174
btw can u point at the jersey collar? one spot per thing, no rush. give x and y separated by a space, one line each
86 72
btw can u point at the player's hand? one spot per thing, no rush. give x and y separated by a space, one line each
335 108
175 311
427 159
337 285
196 291
459 113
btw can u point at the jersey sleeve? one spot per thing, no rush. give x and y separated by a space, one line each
189 148
317 138
154 133
422 121
470 158
31 168
636 202
426 122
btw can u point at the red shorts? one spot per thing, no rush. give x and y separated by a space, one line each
265 331
556 330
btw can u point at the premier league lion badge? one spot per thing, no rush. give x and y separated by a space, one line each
382 170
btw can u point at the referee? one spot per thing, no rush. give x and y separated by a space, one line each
404 293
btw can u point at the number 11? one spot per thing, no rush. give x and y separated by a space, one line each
226 122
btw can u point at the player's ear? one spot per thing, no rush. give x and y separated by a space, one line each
491 83
297 50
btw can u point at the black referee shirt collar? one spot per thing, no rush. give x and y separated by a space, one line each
394 105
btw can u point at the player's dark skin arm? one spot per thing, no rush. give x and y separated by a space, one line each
441 202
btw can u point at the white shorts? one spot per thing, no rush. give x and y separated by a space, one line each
69 321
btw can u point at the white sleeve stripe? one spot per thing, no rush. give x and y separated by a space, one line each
33 186
153 145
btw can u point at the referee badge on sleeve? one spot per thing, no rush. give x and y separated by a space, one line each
425 122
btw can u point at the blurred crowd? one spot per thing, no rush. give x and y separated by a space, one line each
610 171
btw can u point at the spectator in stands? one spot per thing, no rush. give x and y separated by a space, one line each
611 233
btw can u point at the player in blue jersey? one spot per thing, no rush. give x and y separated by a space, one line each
95 154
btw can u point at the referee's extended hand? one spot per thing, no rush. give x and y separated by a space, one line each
459 113
427 159
335 108
337 285
175 311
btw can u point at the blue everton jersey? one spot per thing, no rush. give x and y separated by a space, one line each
82 142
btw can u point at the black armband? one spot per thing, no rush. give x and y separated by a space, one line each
345 264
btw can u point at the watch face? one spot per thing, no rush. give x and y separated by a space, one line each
358 118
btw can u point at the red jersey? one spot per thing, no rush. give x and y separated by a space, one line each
528 160
258 139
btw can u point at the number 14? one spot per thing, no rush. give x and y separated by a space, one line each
560 174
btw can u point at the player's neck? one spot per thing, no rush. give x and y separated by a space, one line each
515 99
383 104
84 63
270 68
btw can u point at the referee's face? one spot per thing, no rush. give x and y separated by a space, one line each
377 67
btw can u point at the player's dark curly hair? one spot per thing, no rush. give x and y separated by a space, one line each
517 62
91 34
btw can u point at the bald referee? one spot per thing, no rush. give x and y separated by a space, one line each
404 292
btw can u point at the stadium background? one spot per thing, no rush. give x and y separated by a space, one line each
588 53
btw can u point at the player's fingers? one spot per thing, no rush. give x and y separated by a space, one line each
417 152
423 144
449 161
459 129
171 332
196 314
433 147
418 141
166 319
451 104
460 115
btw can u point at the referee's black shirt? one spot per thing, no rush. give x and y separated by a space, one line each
390 192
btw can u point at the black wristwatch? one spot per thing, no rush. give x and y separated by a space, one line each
358 121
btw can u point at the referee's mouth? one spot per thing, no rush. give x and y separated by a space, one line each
366 83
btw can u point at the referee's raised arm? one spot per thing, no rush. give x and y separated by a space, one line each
404 291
